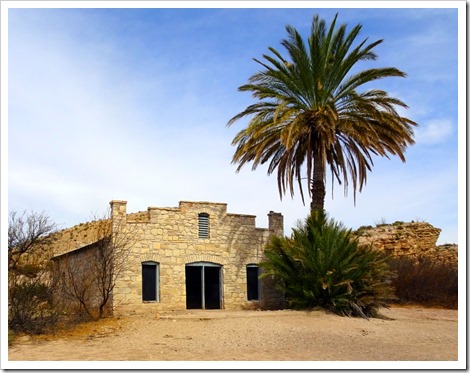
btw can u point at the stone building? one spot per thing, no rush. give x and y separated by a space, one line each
194 256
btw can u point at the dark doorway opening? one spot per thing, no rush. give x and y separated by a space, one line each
212 287
193 287
203 286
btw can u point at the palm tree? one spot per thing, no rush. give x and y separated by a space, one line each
311 114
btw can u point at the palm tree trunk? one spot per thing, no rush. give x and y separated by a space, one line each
318 189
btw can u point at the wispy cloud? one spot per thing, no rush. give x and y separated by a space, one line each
434 132
132 105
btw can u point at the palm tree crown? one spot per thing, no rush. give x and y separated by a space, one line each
310 115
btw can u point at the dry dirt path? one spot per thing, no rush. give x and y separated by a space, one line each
411 334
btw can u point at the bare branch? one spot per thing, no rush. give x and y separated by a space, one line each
30 286
100 263
28 234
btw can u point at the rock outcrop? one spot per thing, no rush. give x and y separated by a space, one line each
413 239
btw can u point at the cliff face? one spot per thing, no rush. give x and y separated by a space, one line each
413 239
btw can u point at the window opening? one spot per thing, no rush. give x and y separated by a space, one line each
203 220
252 281
150 281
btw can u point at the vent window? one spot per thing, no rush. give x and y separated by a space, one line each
203 221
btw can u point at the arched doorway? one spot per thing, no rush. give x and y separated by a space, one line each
203 285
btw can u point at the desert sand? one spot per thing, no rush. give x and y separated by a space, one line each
404 334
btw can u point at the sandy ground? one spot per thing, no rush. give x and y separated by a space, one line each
410 334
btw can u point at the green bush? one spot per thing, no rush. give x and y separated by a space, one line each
321 264
423 281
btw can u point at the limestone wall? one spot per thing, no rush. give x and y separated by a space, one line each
78 236
169 236
84 234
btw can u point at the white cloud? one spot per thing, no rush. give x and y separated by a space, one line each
88 126
434 131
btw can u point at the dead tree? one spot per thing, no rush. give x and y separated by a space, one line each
28 234
87 276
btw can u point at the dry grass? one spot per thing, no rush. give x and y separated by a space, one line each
425 282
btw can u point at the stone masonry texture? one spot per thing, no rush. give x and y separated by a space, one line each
169 238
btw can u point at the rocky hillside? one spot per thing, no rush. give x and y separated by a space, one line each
413 239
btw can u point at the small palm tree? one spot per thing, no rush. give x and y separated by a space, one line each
311 114
322 265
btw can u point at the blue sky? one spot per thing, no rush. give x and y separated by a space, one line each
132 104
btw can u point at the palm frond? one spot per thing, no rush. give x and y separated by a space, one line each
311 115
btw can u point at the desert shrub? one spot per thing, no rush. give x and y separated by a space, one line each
360 231
30 308
30 241
425 281
321 264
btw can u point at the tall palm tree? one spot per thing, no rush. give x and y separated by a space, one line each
310 114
